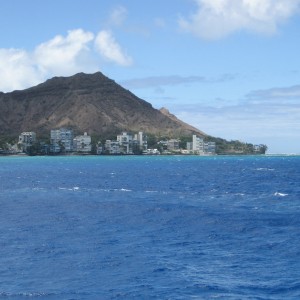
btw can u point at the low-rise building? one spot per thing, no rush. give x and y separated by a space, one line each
173 145
26 139
210 148
126 144
112 147
189 146
82 143
163 145
125 141
152 152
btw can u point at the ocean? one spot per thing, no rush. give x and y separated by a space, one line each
150 227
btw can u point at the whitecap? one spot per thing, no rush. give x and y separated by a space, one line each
280 194
125 190
64 188
38 189
75 188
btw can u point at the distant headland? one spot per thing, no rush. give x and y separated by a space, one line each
97 105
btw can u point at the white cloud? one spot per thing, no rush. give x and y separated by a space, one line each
218 18
278 127
281 94
17 70
108 47
268 116
60 56
64 55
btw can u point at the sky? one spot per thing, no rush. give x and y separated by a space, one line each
228 67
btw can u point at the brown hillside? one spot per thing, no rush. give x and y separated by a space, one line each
84 102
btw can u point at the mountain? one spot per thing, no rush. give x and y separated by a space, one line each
90 103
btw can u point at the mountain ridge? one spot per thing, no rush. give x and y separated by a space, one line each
90 103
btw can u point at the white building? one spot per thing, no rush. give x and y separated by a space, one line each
26 139
141 141
209 147
152 152
125 141
112 147
61 140
173 145
189 146
82 143
198 145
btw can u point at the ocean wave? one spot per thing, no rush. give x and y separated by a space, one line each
124 190
277 194
75 188
264 169
27 294
212 232
46 295
38 189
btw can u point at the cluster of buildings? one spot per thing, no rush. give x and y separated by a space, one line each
197 146
125 143
200 147
63 141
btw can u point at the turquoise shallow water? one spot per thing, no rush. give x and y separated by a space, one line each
150 227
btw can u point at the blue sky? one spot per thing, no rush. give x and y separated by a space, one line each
228 67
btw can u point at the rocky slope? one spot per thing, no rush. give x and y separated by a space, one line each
89 103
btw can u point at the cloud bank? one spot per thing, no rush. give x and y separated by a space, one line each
216 19
158 81
78 51
270 116
172 80
63 55
17 69
280 94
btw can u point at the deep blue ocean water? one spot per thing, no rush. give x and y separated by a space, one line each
138 227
